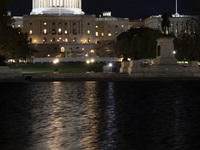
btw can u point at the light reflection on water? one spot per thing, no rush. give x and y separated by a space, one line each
68 119
100 115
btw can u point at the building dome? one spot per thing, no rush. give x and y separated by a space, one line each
71 7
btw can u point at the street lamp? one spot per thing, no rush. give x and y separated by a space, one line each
55 62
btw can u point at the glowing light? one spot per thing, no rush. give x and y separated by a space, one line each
62 49
88 31
92 51
87 61
110 65
174 52
109 34
59 30
92 60
56 61
31 32
45 31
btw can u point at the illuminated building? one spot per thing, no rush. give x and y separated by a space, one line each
61 24
61 28
178 23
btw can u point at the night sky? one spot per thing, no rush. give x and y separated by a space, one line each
133 9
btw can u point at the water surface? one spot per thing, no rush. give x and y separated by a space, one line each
140 115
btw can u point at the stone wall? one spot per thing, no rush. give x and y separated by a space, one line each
6 72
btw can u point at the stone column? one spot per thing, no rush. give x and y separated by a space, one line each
72 3
164 52
124 67
80 4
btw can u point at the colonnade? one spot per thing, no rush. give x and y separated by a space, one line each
57 3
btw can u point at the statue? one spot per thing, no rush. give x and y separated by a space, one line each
165 22
125 58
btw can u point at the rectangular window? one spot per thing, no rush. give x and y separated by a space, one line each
59 31
45 31
53 31
45 39
109 34
66 32
97 33
102 34
88 31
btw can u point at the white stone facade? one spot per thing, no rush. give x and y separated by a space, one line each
178 23
57 7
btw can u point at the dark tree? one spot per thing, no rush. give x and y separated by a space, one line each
138 43
13 43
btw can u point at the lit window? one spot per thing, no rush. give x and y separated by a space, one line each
59 31
122 26
88 31
13 25
88 39
97 33
30 32
62 49
102 34
109 34
45 23
45 31
66 40
19 26
66 32
97 26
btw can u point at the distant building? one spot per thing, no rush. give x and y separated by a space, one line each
178 23
60 28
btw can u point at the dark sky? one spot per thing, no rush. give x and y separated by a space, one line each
133 9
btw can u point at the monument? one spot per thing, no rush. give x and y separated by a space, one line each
165 64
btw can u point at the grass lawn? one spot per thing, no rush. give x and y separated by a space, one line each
62 67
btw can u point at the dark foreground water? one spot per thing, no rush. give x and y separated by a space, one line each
142 115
